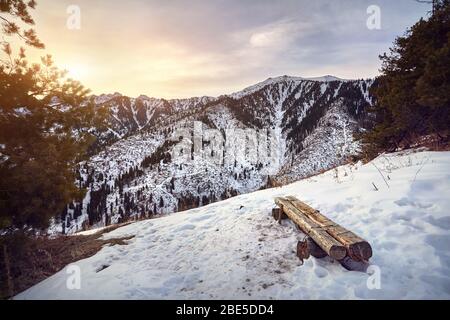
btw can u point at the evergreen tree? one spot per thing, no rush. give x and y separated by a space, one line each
413 92
40 143
19 11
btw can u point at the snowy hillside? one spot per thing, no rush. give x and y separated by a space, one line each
310 123
233 249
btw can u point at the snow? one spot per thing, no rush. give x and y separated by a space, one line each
22 111
326 147
285 78
233 249
103 98
138 127
88 232
326 78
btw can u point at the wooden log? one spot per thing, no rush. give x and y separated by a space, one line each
357 247
278 214
315 250
275 213
354 265
308 247
330 245
302 250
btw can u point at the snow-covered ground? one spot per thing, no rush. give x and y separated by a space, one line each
233 249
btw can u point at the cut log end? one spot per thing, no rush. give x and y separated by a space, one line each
361 250
338 252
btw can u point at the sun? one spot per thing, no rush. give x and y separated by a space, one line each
77 71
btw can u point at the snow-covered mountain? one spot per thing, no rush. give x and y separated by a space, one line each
131 115
234 249
144 169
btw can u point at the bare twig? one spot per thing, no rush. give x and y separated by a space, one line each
17 32
420 169
380 174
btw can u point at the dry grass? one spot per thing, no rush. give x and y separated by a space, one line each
32 260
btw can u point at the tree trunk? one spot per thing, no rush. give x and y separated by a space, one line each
9 281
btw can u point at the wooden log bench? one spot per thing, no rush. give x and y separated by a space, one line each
325 237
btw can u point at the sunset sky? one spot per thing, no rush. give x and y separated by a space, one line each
188 48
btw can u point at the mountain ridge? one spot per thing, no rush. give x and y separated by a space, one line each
324 78
311 124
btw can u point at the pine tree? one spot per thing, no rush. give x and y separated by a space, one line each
40 151
19 10
413 92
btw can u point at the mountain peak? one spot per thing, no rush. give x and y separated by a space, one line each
272 80
326 78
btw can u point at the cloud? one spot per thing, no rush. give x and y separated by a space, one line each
183 48
275 35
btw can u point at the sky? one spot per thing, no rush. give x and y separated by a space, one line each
184 48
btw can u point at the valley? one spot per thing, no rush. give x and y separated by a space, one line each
309 126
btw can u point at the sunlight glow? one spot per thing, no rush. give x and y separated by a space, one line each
78 72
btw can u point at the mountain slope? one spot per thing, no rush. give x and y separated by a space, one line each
305 125
233 249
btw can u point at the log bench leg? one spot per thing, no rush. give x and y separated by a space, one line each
302 250
308 248
353 265
278 214
315 250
